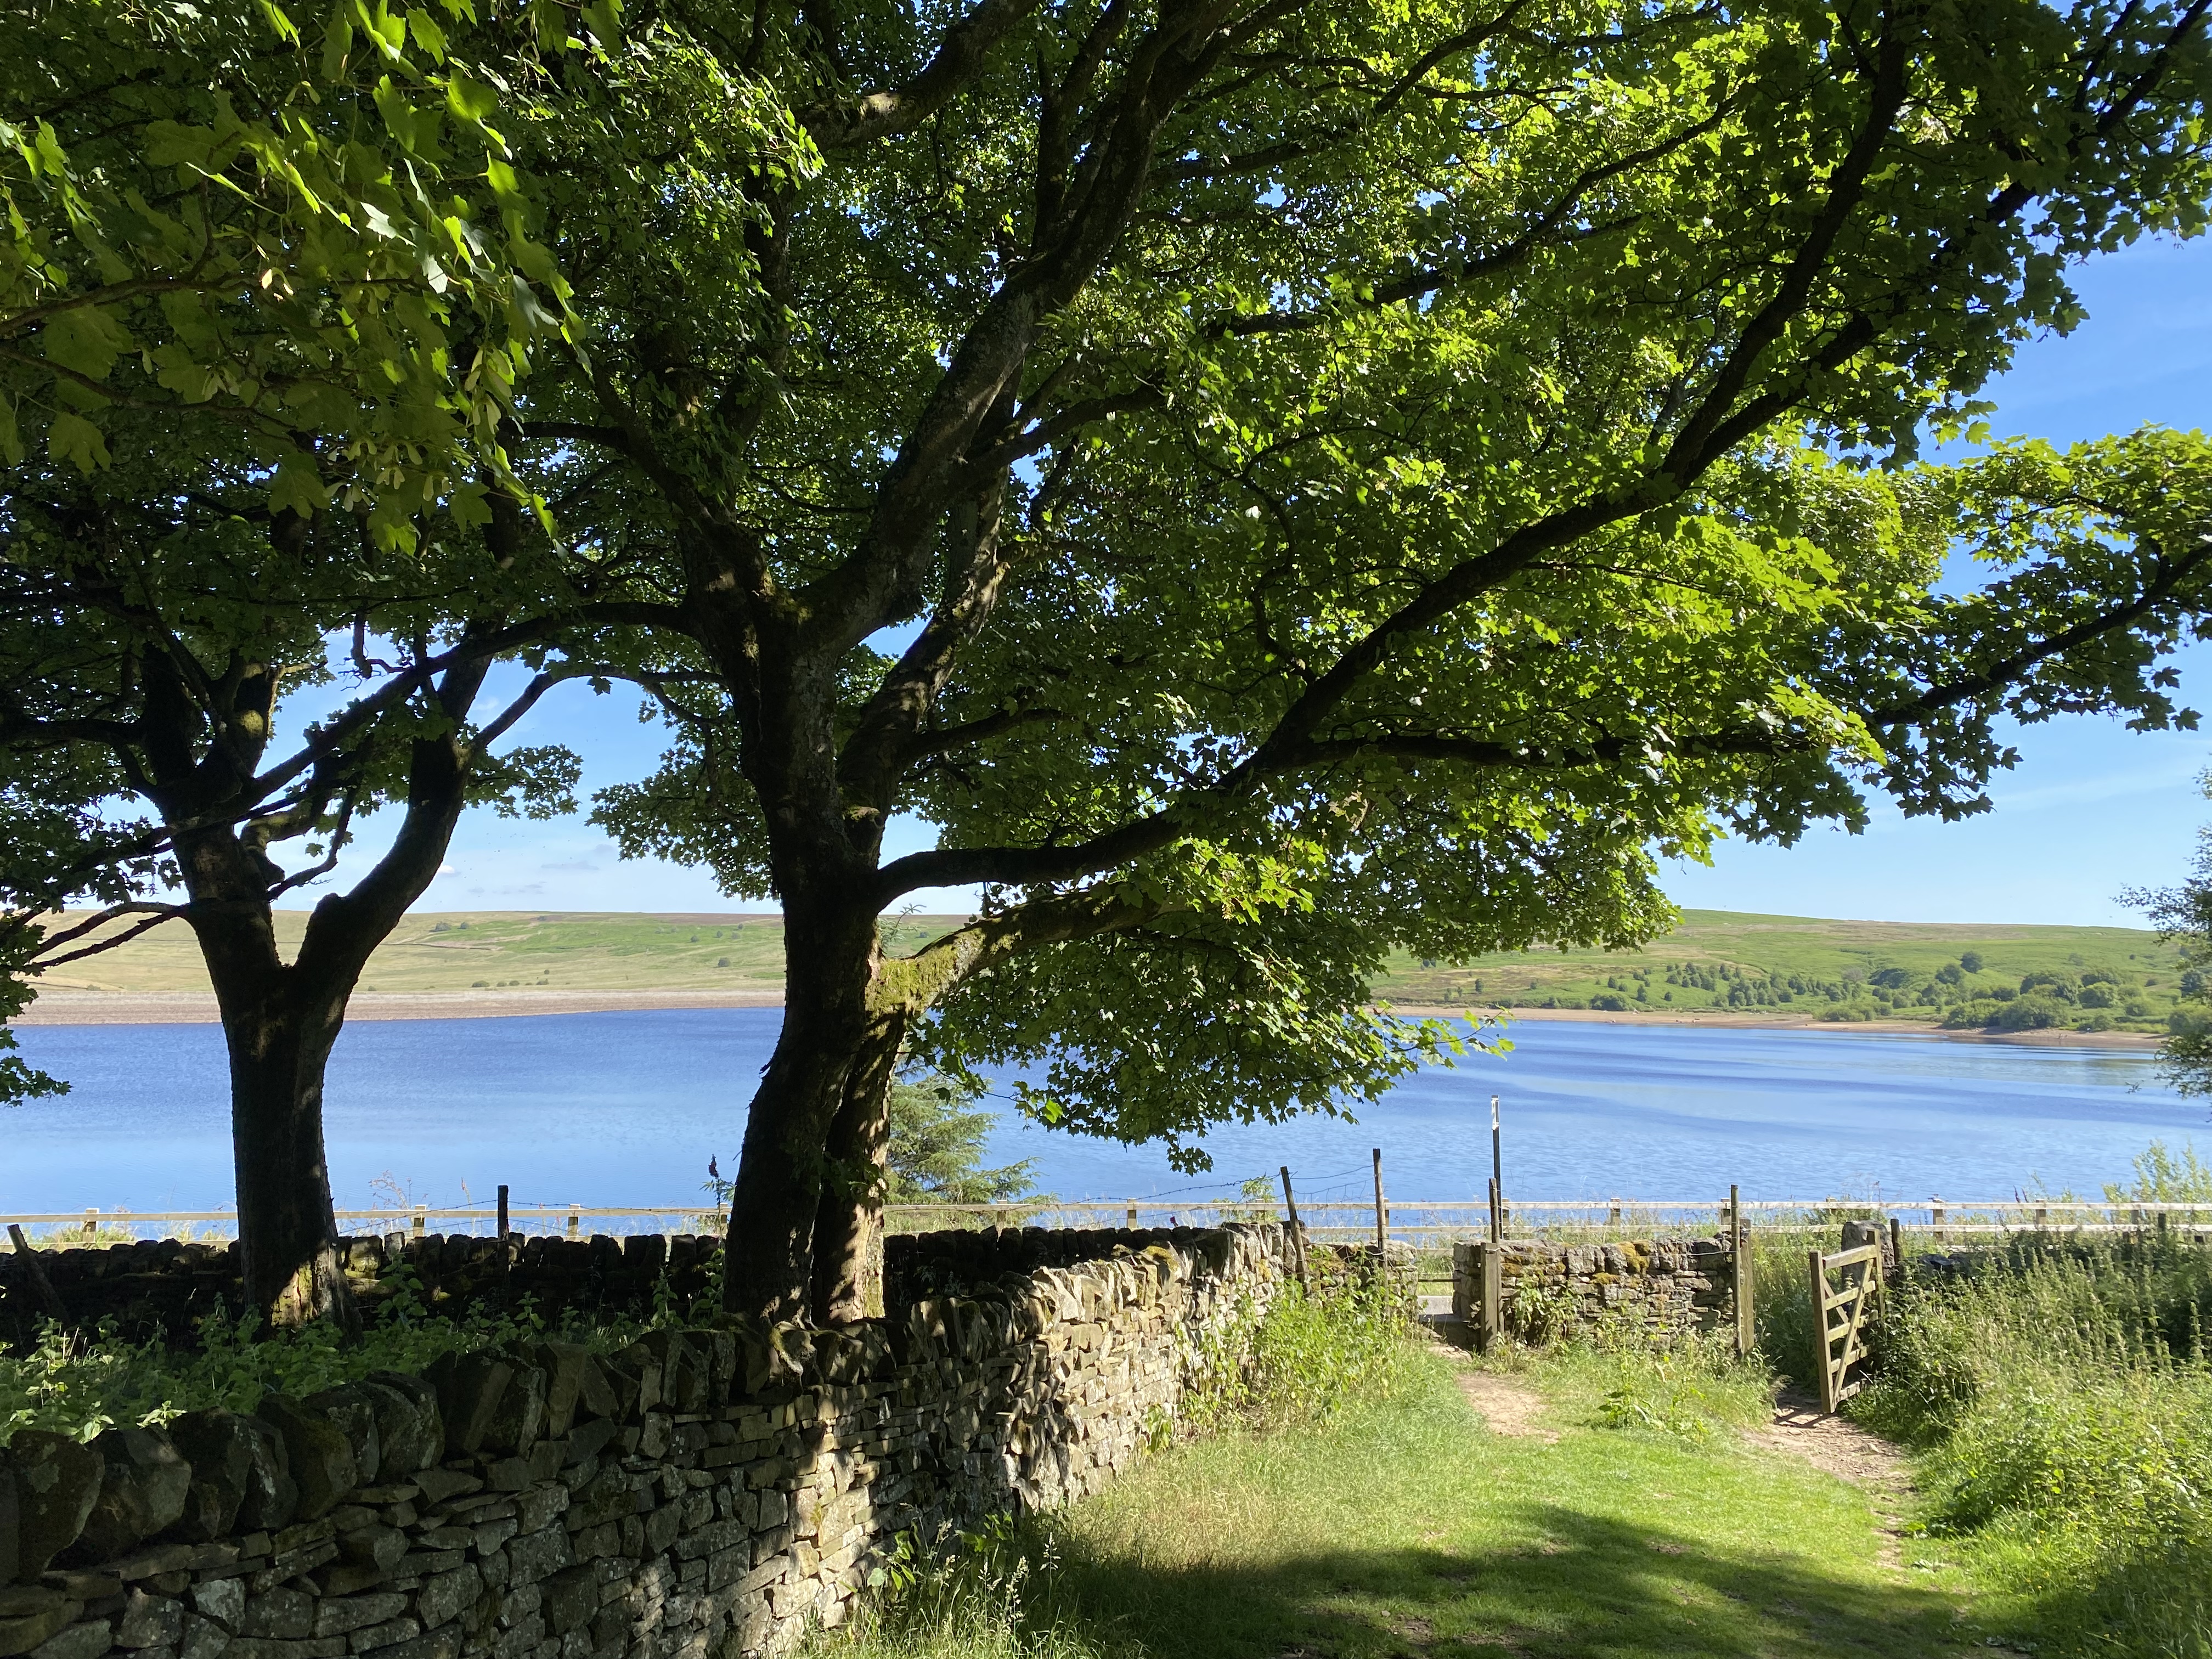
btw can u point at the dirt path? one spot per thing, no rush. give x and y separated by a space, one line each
1842 1448
1508 1407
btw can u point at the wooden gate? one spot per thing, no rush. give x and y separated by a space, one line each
1840 1315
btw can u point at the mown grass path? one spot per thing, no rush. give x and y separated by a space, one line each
1409 1528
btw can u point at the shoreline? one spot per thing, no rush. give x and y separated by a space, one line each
70 1008
1774 1020
198 1007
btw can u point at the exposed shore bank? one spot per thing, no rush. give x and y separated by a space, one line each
1773 1019
62 1007
199 1008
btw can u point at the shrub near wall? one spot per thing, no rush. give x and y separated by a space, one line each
702 1494
162 1288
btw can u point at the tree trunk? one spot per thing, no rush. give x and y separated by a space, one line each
784 1166
286 1221
848 1227
281 1019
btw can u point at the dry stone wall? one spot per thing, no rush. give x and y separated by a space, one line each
702 1494
1549 1291
161 1288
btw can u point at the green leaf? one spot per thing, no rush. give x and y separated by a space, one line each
427 33
298 487
72 438
338 41
285 29
87 338
169 143
469 505
604 18
472 101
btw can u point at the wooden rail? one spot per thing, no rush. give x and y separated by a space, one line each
1434 1220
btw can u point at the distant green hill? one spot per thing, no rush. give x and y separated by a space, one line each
2093 977
1717 960
466 950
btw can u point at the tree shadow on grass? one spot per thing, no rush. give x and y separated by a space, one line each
1584 1585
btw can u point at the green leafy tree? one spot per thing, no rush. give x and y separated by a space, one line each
2184 914
2163 1178
1280 483
935 1154
315 244
157 633
1277 482
262 301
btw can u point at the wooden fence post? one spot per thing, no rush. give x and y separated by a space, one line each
503 1228
1739 1274
1132 1215
575 1223
1381 1222
1490 1263
1297 1238
1936 1210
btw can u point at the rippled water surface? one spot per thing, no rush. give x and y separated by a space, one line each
622 1108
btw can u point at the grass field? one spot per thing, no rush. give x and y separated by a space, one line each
1717 960
466 949
1405 1527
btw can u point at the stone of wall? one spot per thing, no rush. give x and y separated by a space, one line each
700 1494
1673 1284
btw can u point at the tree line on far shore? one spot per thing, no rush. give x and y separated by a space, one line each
1960 995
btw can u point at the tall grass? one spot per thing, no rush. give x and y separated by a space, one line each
996 1593
1314 1349
1002 1591
2062 1400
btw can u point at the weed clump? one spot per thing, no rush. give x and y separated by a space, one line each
2062 1400
1624 1374
996 1593
77 1386
1316 1348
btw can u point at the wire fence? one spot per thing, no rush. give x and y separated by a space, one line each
1423 1223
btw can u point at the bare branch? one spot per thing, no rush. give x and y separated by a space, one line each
155 914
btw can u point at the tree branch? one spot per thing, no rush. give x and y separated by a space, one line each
959 60
155 914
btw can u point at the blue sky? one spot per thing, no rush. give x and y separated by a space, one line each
2092 809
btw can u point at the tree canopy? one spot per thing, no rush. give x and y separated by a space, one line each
1273 481
936 1150
2184 912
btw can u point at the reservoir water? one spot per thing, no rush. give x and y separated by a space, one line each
625 1109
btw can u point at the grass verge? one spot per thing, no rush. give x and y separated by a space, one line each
1400 1525
2061 1401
